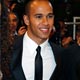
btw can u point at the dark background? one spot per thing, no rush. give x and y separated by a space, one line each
65 9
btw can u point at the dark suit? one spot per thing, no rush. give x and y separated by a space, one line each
16 67
78 70
71 61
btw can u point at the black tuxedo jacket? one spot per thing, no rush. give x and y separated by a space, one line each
71 61
16 67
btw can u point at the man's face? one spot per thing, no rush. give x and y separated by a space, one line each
13 22
40 20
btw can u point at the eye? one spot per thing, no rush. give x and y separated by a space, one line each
14 20
38 16
50 16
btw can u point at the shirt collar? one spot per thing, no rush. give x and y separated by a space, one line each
31 45
43 45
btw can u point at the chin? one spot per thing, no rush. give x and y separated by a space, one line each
45 38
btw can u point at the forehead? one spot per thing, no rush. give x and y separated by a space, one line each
12 16
41 6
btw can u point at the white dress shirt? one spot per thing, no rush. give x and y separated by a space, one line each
28 58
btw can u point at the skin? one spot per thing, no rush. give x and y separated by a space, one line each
13 22
78 38
21 30
39 20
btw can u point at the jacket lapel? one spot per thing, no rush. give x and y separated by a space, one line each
18 73
17 59
56 75
17 68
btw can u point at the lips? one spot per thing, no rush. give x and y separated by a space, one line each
44 30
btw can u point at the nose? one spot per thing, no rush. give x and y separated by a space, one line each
10 22
45 21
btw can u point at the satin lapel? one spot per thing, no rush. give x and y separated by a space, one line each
54 77
18 73
17 59
56 53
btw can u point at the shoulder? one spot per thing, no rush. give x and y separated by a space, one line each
18 41
72 49
72 53
55 46
57 50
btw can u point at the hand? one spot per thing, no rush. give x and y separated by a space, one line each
66 41
21 30
78 41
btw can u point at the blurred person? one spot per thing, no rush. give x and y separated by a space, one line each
39 18
7 30
13 22
13 5
18 8
55 34
78 37
0 44
66 38
59 36
62 27
9 34
71 61
12 26
3 22
7 5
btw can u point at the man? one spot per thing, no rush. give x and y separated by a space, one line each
39 18
71 61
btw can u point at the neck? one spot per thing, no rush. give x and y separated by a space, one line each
36 39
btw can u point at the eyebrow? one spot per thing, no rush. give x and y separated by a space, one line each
42 14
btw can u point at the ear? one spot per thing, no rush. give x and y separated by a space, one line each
26 19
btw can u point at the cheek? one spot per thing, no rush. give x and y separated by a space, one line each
34 24
15 24
51 25
51 22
